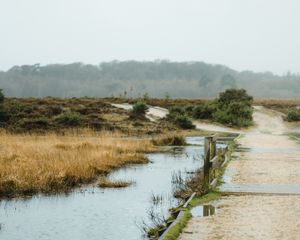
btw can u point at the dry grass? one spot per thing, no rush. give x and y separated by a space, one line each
104 182
31 164
277 102
169 140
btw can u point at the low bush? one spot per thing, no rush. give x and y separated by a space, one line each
55 110
184 122
204 111
139 109
104 182
235 95
1 96
293 115
4 115
233 107
71 119
236 114
179 117
173 111
15 107
169 140
36 123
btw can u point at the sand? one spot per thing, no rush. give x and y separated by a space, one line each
248 217
267 156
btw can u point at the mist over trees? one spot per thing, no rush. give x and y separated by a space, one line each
135 79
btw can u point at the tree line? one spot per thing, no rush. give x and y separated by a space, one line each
135 79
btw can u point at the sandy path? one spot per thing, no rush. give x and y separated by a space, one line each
270 157
153 113
249 217
268 160
214 127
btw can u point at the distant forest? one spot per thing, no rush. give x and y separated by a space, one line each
136 79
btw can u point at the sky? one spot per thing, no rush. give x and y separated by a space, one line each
257 35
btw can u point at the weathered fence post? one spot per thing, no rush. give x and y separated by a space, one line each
206 167
210 151
213 150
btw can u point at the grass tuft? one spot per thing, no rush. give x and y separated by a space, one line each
169 140
103 182
31 164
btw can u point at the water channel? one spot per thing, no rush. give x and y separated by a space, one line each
106 214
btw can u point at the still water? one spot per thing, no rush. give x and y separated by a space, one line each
95 213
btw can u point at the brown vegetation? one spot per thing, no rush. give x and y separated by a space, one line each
104 182
51 163
169 139
55 115
281 105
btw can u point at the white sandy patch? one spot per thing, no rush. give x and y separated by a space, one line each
214 127
153 113
249 217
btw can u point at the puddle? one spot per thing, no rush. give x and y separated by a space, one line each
267 149
203 211
297 130
198 141
106 214
292 189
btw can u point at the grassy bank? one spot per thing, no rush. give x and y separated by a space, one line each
49 163
175 231
199 199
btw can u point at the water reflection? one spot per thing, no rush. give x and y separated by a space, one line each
106 214
203 211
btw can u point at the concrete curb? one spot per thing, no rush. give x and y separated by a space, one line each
178 218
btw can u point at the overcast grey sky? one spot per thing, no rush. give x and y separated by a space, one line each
257 35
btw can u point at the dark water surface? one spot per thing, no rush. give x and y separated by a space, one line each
94 213
203 211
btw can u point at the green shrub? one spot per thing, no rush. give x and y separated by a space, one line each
55 109
184 122
293 115
15 107
189 109
178 116
70 119
1 96
4 115
29 109
35 123
235 95
233 107
235 113
139 109
173 111
204 111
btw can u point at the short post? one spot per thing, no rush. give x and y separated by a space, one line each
213 150
206 167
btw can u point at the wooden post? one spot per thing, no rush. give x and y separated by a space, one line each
213 150
206 167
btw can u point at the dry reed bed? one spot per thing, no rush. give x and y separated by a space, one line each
32 164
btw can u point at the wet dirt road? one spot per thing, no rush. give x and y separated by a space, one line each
263 183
